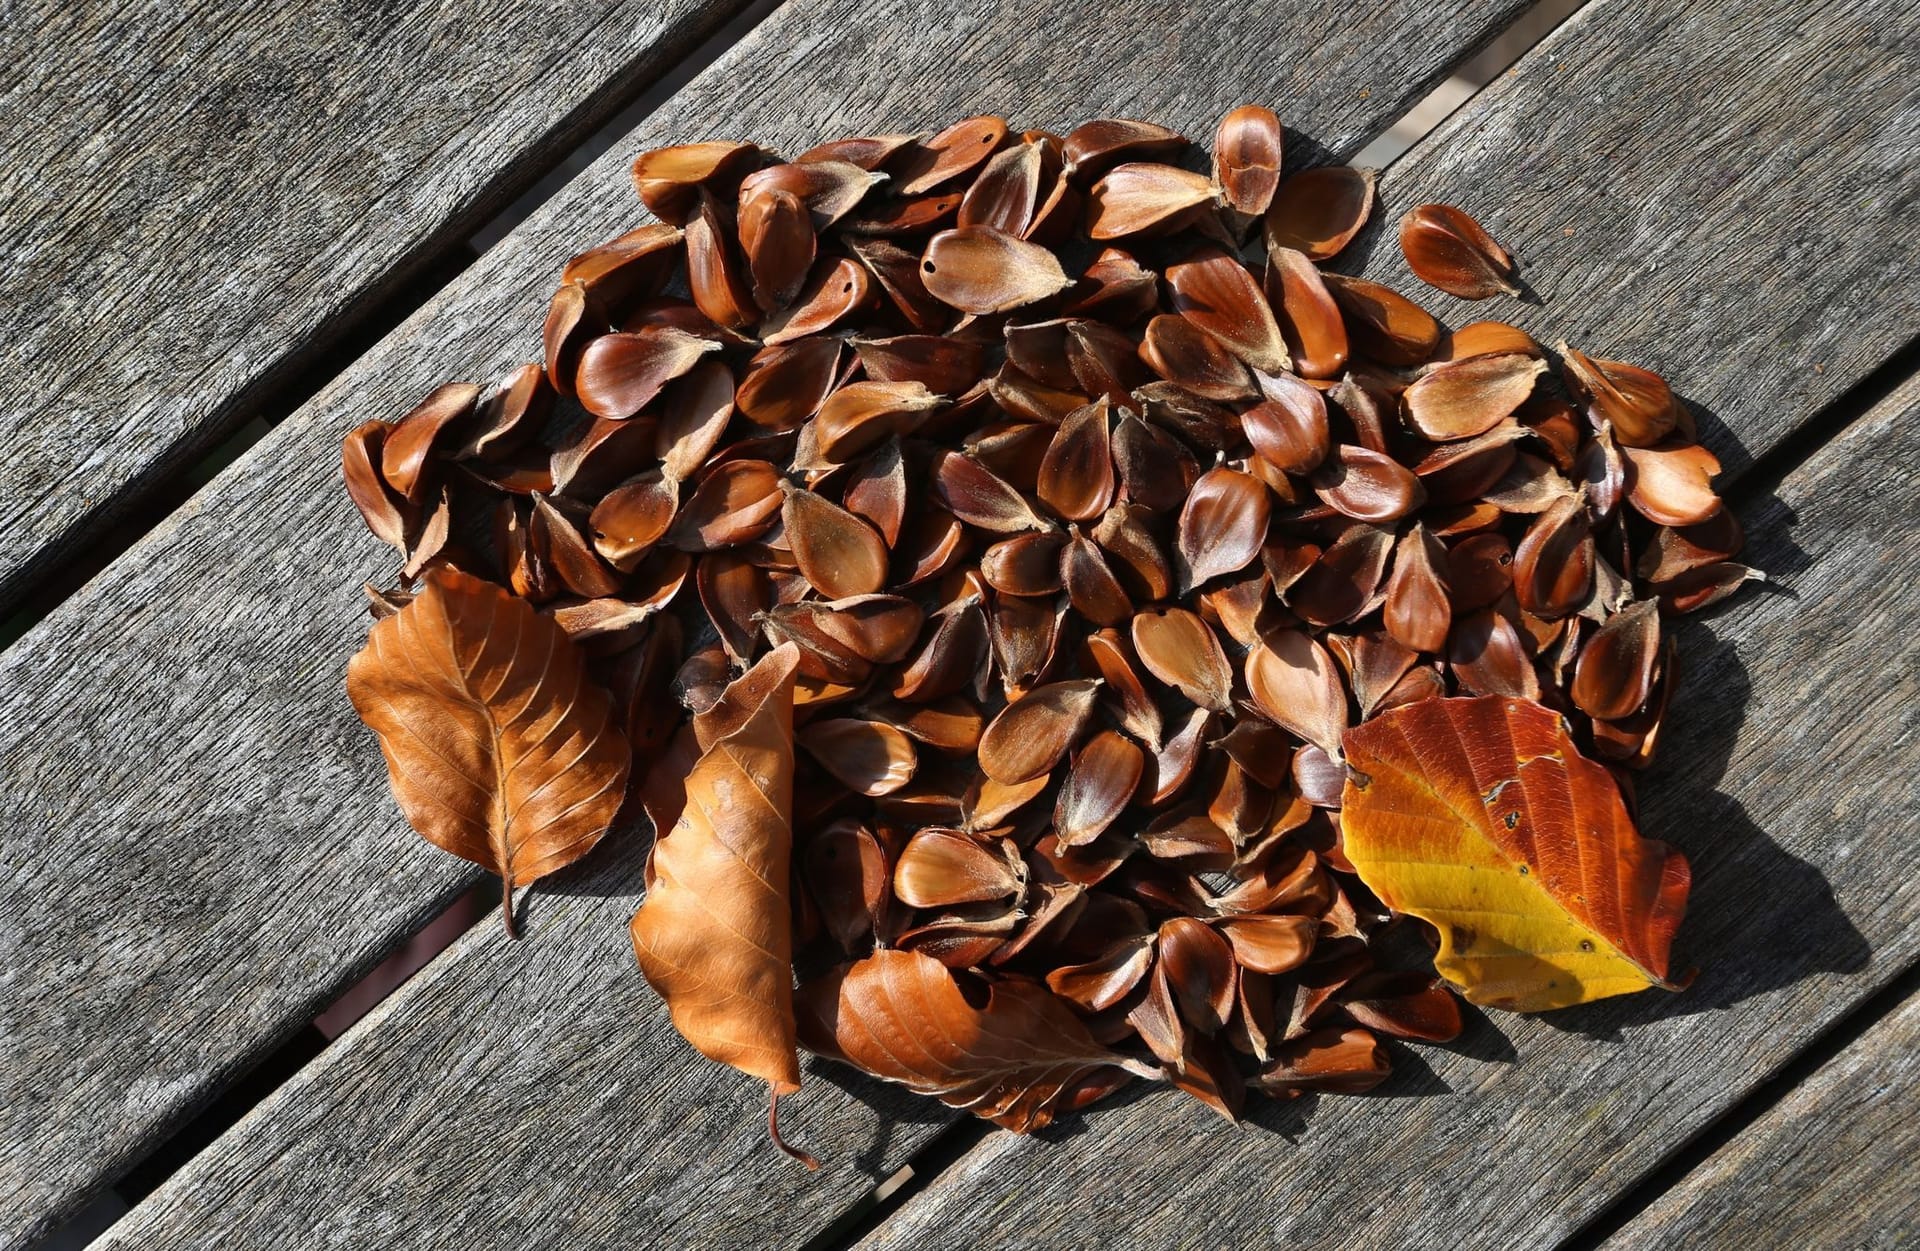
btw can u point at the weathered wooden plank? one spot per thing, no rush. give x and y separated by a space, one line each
1834 1164
192 203
1797 707
203 846
1722 192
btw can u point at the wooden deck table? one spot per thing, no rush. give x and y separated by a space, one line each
202 210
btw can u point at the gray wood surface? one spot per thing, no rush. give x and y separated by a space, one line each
1798 705
195 196
203 850
1725 193
1834 1164
1764 289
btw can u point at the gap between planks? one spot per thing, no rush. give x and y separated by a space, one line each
336 346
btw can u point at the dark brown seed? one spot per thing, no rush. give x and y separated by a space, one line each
976 496
1465 398
1115 289
1006 193
1480 569
866 151
380 507
1076 477
829 189
1246 158
1295 683
1032 733
1026 564
1419 610
1092 148
569 325
1310 320
834 290
632 517
1099 786
1637 403
1222 526
1155 470
1105 653
949 660
620 374
1367 486
1126 537
1289 428
1143 198
1179 351
1672 486
558 543
1384 324
877 492
777 235
1183 651
1614 674
1553 565
1092 588
959 149
980 270
671 180
862 415
1024 632
1215 292
785 385
1345 582
838 553
734 593
409 450
867 757
942 365
635 266
847 873
715 273
735 502
1317 212
1447 249
1488 657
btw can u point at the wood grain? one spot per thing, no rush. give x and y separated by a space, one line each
1721 192
1834 1164
194 201
204 850
1797 708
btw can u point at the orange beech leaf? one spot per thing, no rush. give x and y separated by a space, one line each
1015 1055
715 933
499 748
1481 817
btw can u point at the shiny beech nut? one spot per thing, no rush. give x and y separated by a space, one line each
1246 158
839 554
670 180
1076 478
633 267
867 757
1615 672
777 235
1482 338
1465 398
716 275
1296 685
1094 147
1092 588
1006 193
1447 249
1215 292
862 415
1100 784
829 189
571 321
409 450
959 149
785 385
943 868
835 290
1672 486
1481 569
1143 198
1488 657
1182 353
632 517
866 151
980 270
1310 319
1419 610
1289 428
1222 525
620 374
1181 650
1384 324
1367 486
1026 564
384 511
1553 565
1317 212
1031 734
1637 403
977 496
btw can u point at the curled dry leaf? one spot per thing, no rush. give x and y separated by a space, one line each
499 748
1481 817
1447 249
715 933
903 1017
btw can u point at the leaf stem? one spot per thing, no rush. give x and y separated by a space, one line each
773 1129
506 906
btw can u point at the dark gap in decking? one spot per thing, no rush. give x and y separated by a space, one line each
411 954
1465 81
50 578
939 1154
1773 466
1716 1134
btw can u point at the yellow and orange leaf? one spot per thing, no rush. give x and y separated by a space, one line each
1481 817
